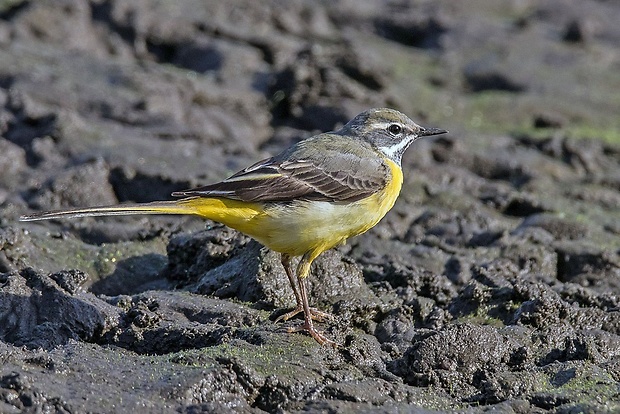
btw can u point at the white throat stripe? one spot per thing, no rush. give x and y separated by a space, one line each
395 149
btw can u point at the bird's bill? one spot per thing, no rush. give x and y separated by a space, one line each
424 132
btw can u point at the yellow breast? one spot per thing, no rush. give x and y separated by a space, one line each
304 226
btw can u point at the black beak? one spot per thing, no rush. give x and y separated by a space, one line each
424 132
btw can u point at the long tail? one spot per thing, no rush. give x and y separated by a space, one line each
157 207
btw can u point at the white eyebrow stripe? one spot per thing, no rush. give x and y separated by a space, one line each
384 125
406 128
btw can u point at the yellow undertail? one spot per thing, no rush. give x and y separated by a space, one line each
222 210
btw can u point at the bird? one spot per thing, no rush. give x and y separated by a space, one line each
303 201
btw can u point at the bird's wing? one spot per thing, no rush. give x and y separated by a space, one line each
345 178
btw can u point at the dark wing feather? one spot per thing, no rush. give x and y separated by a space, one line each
346 179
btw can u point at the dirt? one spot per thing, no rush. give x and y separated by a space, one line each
493 284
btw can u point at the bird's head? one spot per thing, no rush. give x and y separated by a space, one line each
387 130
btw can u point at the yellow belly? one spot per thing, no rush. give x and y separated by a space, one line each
299 227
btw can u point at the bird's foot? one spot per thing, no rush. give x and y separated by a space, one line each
315 314
307 326
316 334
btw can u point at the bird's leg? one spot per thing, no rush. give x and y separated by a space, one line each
308 326
315 314
286 263
301 295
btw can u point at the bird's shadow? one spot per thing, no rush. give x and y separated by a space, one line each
134 275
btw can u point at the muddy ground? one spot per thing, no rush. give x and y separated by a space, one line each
493 284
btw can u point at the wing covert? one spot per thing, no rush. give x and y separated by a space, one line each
349 178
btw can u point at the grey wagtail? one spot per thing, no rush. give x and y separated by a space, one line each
303 201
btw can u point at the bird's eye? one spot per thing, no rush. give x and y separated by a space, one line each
395 129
